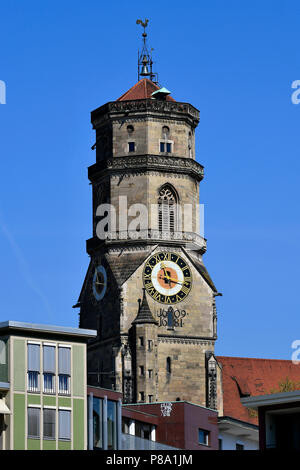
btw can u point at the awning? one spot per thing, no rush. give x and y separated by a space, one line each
4 410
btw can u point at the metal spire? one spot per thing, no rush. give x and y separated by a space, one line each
145 61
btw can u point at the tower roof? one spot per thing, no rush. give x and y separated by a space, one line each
144 314
142 90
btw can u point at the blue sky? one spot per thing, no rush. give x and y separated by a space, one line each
235 61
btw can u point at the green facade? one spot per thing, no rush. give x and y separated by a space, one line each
19 355
21 398
19 421
78 423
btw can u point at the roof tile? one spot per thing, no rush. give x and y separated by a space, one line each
142 90
242 376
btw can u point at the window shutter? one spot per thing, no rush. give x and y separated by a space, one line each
49 359
64 424
64 361
33 357
33 422
49 423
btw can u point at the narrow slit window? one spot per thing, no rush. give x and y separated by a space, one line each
169 365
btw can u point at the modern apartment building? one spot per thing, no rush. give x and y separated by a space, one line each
43 389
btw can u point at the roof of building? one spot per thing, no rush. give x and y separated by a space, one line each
142 90
33 327
144 314
246 376
273 399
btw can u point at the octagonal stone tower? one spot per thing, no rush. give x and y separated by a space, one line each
147 291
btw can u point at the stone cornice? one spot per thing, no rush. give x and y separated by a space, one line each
186 340
142 163
159 108
148 237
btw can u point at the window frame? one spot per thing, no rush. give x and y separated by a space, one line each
206 435
166 146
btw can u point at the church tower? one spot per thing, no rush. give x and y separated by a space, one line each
147 291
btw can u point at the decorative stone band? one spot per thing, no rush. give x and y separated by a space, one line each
147 163
186 340
148 106
193 240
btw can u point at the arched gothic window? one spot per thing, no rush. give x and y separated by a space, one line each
167 202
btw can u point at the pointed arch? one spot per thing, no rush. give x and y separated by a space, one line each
167 208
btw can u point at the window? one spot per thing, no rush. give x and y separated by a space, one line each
167 201
49 423
165 145
111 425
64 384
64 425
49 368
97 423
203 437
142 396
150 373
64 370
3 362
150 398
220 441
2 352
170 318
141 340
130 129
131 146
33 381
33 367
33 423
168 365
239 446
49 383
150 344
165 131
142 370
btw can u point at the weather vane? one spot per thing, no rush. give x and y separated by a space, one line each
144 24
145 57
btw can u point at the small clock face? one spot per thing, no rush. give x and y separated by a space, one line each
167 278
99 282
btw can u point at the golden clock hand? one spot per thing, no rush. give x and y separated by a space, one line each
164 269
171 279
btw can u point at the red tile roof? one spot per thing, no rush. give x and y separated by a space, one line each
141 90
242 376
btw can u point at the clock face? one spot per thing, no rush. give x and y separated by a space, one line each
167 278
99 282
